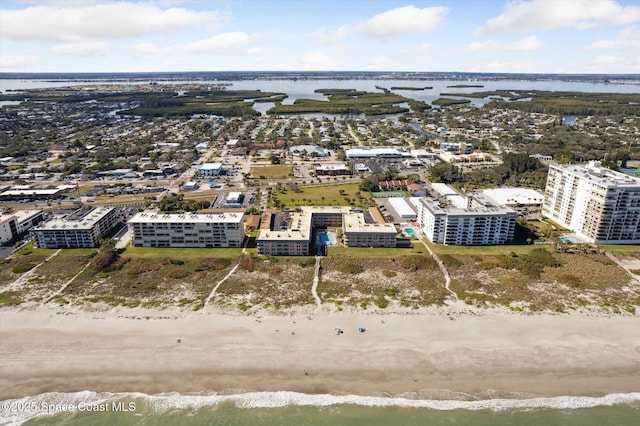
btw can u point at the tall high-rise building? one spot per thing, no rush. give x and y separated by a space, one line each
600 205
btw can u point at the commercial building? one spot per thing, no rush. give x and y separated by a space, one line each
456 148
31 194
402 208
210 169
309 151
514 197
481 222
208 230
600 205
382 152
233 198
296 239
76 231
332 170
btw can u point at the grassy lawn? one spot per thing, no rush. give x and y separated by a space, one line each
343 194
483 250
183 253
620 248
382 252
277 171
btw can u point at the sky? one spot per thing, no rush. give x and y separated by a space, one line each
521 36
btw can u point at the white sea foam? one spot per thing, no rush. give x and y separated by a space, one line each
57 402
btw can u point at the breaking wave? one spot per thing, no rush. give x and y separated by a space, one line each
18 411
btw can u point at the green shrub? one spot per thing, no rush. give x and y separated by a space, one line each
140 268
351 268
178 273
382 303
177 262
307 262
417 262
23 267
569 279
389 274
8 298
390 291
450 261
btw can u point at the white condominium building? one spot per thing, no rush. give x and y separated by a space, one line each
76 232
600 205
481 222
207 230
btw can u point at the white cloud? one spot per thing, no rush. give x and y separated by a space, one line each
148 50
403 20
219 43
527 44
423 49
386 25
628 38
16 61
80 49
330 35
317 61
633 66
536 15
97 21
503 66
485 46
603 64
381 63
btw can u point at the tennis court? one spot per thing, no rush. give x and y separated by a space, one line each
387 194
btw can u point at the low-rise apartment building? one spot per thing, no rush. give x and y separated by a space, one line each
207 230
296 238
74 231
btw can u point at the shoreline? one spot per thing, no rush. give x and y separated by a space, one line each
428 355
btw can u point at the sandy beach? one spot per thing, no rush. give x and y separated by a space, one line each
434 354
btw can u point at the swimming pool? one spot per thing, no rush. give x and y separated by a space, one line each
569 240
325 238
410 232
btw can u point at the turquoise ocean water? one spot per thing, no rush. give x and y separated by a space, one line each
291 408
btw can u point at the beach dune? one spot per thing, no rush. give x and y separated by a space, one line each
433 356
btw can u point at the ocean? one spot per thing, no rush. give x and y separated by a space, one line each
291 408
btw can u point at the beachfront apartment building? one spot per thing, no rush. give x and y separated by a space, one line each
600 205
206 230
358 229
481 221
76 230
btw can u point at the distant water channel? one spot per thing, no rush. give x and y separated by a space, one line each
305 89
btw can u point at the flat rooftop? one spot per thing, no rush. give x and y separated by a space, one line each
85 222
481 206
514 196
154 217
300 226
598 174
